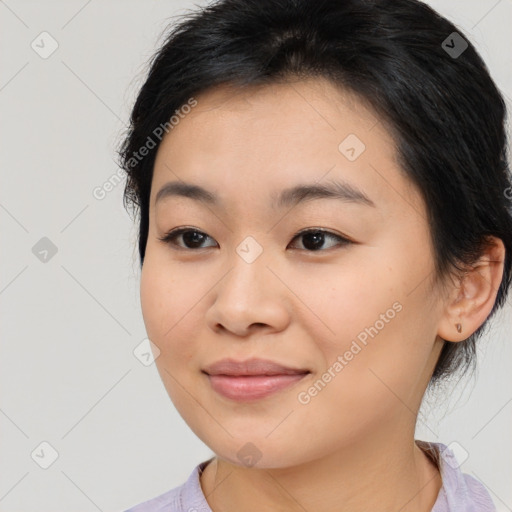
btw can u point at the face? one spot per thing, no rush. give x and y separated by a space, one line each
333 285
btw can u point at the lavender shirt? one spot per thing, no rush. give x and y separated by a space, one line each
459 493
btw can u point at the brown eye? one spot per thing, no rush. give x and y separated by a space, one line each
314 239
191 238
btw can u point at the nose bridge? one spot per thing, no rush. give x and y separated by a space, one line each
249 275
250 250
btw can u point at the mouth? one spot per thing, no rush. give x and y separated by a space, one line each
252 379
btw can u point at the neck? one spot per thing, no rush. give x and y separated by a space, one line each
385 473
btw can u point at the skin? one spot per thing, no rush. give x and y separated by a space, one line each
351 447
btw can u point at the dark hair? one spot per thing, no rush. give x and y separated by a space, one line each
429 86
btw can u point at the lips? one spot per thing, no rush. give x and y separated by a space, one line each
251 367
252 379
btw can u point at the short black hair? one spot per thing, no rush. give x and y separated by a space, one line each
419 73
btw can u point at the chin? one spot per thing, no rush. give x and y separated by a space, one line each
258 452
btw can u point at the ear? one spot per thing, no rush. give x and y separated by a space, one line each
472 298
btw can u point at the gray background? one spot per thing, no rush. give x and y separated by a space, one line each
70 324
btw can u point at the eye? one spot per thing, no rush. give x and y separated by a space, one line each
313 239
192 238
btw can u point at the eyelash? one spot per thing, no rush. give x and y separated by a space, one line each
170 236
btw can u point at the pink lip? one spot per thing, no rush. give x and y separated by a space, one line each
251 379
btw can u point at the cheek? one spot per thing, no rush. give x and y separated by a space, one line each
170 319
340 300
154 299
169 302
365 312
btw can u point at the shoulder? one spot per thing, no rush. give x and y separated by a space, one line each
168 501
187 497
460 492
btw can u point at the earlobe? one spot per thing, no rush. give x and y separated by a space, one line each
472 299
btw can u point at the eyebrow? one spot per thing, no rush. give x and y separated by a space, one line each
343 191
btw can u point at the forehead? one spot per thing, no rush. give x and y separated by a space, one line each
295 108
270 137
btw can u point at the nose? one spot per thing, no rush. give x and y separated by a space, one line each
249 299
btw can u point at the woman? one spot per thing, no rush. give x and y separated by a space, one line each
325 230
